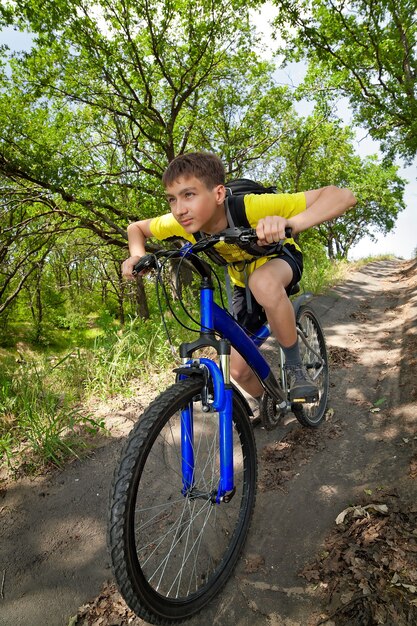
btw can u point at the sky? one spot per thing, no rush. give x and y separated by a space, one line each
402 241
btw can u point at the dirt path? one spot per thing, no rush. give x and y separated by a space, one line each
53 557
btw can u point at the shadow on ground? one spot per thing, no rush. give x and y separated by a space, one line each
53 551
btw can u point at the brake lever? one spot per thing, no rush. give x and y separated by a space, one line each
144 264
233 234
248 237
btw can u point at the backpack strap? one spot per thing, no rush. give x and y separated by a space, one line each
235 210
236 214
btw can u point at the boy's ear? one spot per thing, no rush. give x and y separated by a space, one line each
220 192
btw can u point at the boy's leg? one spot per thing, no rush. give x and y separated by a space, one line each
268 287
268 284
239 369
243 375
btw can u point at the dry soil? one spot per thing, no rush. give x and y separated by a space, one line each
299 568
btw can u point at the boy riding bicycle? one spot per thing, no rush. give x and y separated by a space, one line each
195 189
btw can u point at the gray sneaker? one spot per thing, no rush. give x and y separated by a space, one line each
301 387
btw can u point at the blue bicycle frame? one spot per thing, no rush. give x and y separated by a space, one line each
214 319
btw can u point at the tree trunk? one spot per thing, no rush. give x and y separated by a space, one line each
121 314
330 250
142 308
120 301
39 321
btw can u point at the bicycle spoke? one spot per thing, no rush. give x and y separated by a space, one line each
179 546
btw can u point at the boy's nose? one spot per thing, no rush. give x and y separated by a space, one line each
180 208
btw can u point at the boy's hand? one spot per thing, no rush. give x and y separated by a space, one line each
127 267
271 229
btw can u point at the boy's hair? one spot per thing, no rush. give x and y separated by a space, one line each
205 166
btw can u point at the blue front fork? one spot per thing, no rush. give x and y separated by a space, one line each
222 403
214 317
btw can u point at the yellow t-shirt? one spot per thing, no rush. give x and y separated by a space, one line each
257 206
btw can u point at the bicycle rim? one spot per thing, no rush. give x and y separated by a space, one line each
172 553
311 414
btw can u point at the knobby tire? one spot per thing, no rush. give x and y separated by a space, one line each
171 554
313 413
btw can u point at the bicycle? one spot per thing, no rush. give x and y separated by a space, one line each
184 491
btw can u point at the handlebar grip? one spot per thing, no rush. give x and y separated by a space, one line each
251 233
146 262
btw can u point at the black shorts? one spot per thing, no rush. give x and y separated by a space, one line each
254 320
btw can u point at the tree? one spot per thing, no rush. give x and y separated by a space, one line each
367 51
27 235
110 93
319 151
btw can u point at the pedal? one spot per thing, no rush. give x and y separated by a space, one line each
306 400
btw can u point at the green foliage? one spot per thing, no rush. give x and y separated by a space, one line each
41 419
121 355
365 51
320 272
40 424
107 97
318 151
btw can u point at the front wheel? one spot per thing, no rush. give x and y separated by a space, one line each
172 549
314 358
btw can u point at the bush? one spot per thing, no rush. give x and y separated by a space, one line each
40 423
319 271
131 352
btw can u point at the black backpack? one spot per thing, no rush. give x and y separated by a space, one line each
236 216
236 190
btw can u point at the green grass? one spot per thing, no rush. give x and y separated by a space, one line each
372 259
320 275
43 389
40 416
126 354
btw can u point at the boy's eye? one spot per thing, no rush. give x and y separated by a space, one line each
170 200
189 194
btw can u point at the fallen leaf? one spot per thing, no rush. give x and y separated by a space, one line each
411 588
379 402
361 511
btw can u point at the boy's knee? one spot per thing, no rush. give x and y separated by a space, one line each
269 290
268 283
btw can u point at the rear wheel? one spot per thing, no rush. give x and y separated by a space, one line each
173 551
314 358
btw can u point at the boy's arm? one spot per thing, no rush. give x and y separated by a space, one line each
322 205
137 234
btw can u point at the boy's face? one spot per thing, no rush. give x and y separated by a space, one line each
196 207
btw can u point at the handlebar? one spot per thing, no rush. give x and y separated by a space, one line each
234 235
